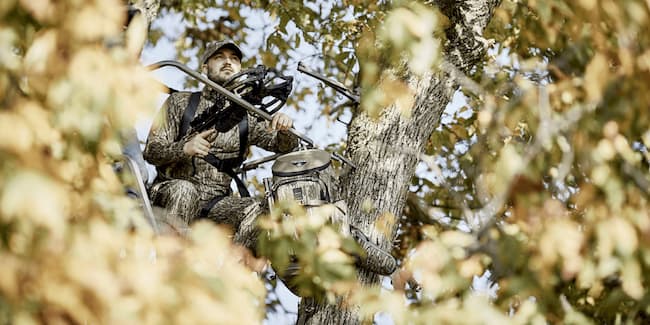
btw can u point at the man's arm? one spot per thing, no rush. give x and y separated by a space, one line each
273 136
162 147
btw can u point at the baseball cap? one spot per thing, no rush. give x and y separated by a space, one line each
214 46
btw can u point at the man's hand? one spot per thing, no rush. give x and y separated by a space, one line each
199 145
281 122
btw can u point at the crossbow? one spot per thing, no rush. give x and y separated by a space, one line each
269 98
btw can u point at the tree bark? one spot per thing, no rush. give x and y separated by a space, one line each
149 8
386 151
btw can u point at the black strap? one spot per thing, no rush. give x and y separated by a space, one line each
228 166
243 144
243 137
208 206
195 97
241 187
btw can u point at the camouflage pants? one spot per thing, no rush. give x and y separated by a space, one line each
182 201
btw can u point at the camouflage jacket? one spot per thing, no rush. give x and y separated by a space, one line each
166 152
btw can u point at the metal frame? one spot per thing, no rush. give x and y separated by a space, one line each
144 197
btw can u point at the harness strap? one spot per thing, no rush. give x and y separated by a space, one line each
243 137
208 206
241 187
188 115
227 166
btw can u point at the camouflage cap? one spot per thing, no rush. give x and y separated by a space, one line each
213 47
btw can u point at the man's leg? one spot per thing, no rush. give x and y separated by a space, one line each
180 198
241 214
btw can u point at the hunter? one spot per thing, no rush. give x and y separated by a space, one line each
187 185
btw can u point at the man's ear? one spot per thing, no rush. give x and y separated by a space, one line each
204 68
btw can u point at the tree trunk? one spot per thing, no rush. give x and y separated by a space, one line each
386 151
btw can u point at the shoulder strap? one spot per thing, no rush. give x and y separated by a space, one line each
195 97
227 166
243 137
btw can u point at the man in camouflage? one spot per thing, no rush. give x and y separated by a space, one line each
187 185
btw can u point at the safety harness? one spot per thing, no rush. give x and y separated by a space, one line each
226 166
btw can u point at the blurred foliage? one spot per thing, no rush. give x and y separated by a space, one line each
74 248
551 160
541 178
308 251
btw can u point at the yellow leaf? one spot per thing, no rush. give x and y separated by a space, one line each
429 232
562 239
38 120
643 61
405 102
9 274
39 54
136 35
604 151
596 77
385 223
587 275
42 10
373 102
328 239
8 58
424 55
37 198
421 262
457 238
335 257
396 30
600 173
624 235
367 205
470 267
631 277
587 4
318 216
96 20
509 164
15 135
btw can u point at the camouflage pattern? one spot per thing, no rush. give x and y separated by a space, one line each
305 176
185 184
215 46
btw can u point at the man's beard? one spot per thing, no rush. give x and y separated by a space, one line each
219 78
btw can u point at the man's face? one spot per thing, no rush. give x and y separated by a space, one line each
222 65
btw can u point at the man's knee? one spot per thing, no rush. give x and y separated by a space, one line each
176 195
186 190
232 210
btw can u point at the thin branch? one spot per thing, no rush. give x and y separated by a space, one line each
486 217
638 177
